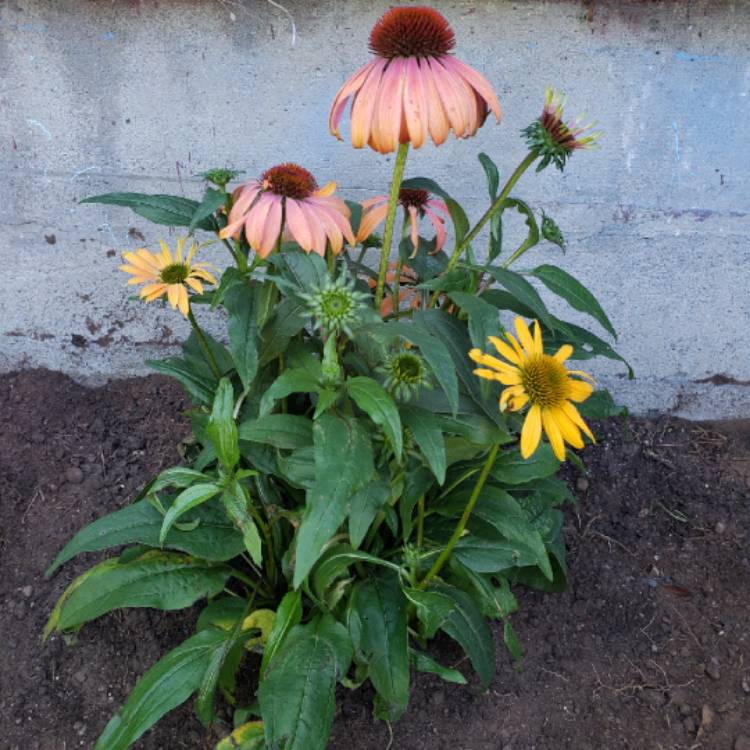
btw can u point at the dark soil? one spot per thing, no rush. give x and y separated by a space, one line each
649 649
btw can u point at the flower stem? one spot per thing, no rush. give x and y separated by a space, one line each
204 344
497 205
396 287
420 522
385 251
459 530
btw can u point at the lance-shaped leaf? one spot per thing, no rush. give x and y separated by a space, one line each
212 201
296 380
247 736
243 332
222 429
297 694
378 404
188 499
484 320
427 431
287 431
365 505
343 464
170 210
288 614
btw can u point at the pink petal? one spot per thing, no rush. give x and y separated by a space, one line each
256 219
454 106
439 205
386 121
367 203
297 223
414 227
332 231
340 219
415 103
363 104
316 226
370 220
477 81
349 89
437 122
440 232
271 227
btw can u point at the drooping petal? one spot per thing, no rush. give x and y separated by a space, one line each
477 81
440 233
414 221
532 431
173 294
363 105
437 122
194 284
256 219
317 230
415 103
152 291
349 89
297 223
524 335
572 413
183 302
271 227
451 100
386 121
578 390
553 434
506 351
370 221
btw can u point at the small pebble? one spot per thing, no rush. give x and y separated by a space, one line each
80 728
73 475
712 669
707 716
582 484
720 527
27 591
746 685
742 742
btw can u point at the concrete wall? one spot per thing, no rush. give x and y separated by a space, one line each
101 96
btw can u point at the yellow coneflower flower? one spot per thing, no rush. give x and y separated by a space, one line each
167 274
543 382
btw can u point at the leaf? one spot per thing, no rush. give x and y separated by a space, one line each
185 501
199 387
417 483
223 613
170 210
483 317
236 501
212 201
165 686
296 380
243 333
432 607
287 431
511 468
493 175
288 614
336 562
600 405
427 432
378 404
248 736
287 320
162 580
458 216
377 620
222 429
424 663
572 291
341 444
214 538
298 467
522 290
467 626
532 237
511 641
365 504
297 694
302 271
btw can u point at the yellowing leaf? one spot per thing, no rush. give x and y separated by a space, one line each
261 619
249 736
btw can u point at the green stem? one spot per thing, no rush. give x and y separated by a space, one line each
420 522
459 530
204 344
397 275
497 205
385 251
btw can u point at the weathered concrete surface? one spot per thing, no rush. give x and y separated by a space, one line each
142 95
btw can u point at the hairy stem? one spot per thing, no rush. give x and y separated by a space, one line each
385 251
461 525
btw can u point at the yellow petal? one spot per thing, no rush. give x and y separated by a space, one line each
532 431
518 402
194 284
582 374
524 336
563 352
506 351
327 189
153 291
182 300
570 433
538 346
510 393
572 413
553 434
578 390
488 360
173 294
486 374
205 275
516 347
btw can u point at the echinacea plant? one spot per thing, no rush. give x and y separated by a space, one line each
353 485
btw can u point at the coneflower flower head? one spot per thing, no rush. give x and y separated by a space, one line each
405 373
415 87
553 139
287 198
417 204
336 306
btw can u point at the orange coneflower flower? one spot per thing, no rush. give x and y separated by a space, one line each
414 87
543 382
288 194
407 293
416 203
167 274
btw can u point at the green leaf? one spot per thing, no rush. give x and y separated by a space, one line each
287 320
586 345
214 538
511 468
511 641
522 290
199 388
572 291
298 467
286 431
341 444
377 619
428 434
336 562
467 626
222 429
600 405
378 404
432 607
297 380
243 333
493 175
170 210
365 504
301 271
170 682
532 237
483 317
288 614
424 663
235 500
188 499
297 695
248 736
212 201
162 580
475 428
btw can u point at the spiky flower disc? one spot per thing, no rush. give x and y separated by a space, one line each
405 374
553 139
543 382
336 306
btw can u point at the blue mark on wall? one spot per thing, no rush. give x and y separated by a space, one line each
683 56
676 141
